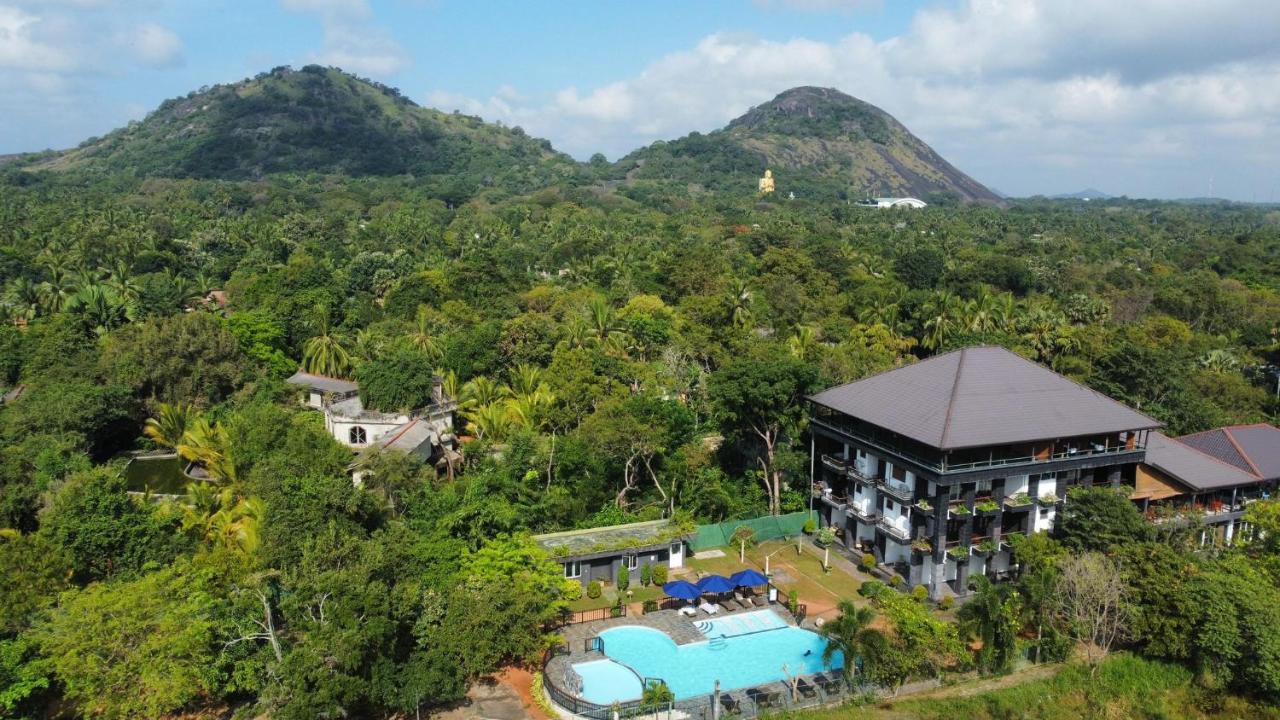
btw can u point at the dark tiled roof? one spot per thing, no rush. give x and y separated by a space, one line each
981 396
1252 448
322 383
1193 468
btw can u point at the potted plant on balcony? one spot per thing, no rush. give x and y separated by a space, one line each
959 554
923 506
987 507
1047 499
1018 500
922 545
959 510
987 547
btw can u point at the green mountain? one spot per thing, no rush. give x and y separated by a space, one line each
818 142
319 120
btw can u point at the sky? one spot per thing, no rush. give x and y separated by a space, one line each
1148 98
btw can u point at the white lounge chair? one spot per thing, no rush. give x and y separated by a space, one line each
688 611
709 608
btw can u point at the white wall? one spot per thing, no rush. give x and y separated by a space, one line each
1016 484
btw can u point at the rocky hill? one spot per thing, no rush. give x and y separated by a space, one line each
819 142
318 120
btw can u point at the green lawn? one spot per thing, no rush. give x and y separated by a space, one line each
815 587
609 595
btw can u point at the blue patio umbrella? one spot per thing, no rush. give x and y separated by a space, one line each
748 578
715 584
681 589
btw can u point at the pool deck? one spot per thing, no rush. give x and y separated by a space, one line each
679 628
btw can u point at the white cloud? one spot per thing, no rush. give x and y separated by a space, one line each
156 46
351 39
1028 95
22 48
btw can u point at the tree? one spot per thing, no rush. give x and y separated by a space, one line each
140 648
993 616
33 569
102 529
1092 603
1100 519
742 537
851 634
759 403
920 266
400 381
190 358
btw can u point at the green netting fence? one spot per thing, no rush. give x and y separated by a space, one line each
769 527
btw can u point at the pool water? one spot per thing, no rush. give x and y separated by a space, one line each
604 681
742 651
161 475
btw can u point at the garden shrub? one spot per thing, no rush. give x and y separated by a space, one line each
946 603
624 578
646 575
650 606
793 602
869 562
871 589
895 580
659 574
810 526
920 593
594 589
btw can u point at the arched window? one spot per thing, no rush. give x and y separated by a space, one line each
358 436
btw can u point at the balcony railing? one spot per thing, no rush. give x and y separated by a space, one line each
942 465
835 464
897 492
893 531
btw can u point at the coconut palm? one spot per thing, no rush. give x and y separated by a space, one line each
803 342
489 421
208 445
526 379
22 300
167 427
740 303
421 337
57 291
852 635
325 355
218 518
101 307
481 391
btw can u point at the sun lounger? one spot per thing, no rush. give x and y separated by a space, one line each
828 685
708 608
731 705
805 689
730 605
688 611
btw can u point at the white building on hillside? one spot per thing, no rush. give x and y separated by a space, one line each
426 432
896 202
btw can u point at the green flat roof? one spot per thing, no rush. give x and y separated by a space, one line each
613 537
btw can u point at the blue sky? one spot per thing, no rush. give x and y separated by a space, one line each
1158 98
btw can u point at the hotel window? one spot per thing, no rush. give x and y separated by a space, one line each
573 569
889 504
676 548
631 562
358 436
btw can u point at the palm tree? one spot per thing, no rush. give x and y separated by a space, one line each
56 291
169 424
803 342
421 335
993 616
208 445
22 300
325 355
489 421
740 303
526 379
221 520
940 313
101 307
481 391
852 635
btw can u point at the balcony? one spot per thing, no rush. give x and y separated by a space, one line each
836 464
894 532
897 492
856 512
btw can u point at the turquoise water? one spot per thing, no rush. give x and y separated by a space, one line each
736 659
604 681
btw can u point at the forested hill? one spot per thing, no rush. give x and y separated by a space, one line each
325 121
819 142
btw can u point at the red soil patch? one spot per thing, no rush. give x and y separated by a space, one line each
521 680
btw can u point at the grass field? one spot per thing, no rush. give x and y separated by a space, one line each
1125 687
816 588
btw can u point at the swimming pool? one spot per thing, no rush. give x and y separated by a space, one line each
742 651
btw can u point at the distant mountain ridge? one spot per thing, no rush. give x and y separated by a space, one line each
1086 194
819 142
